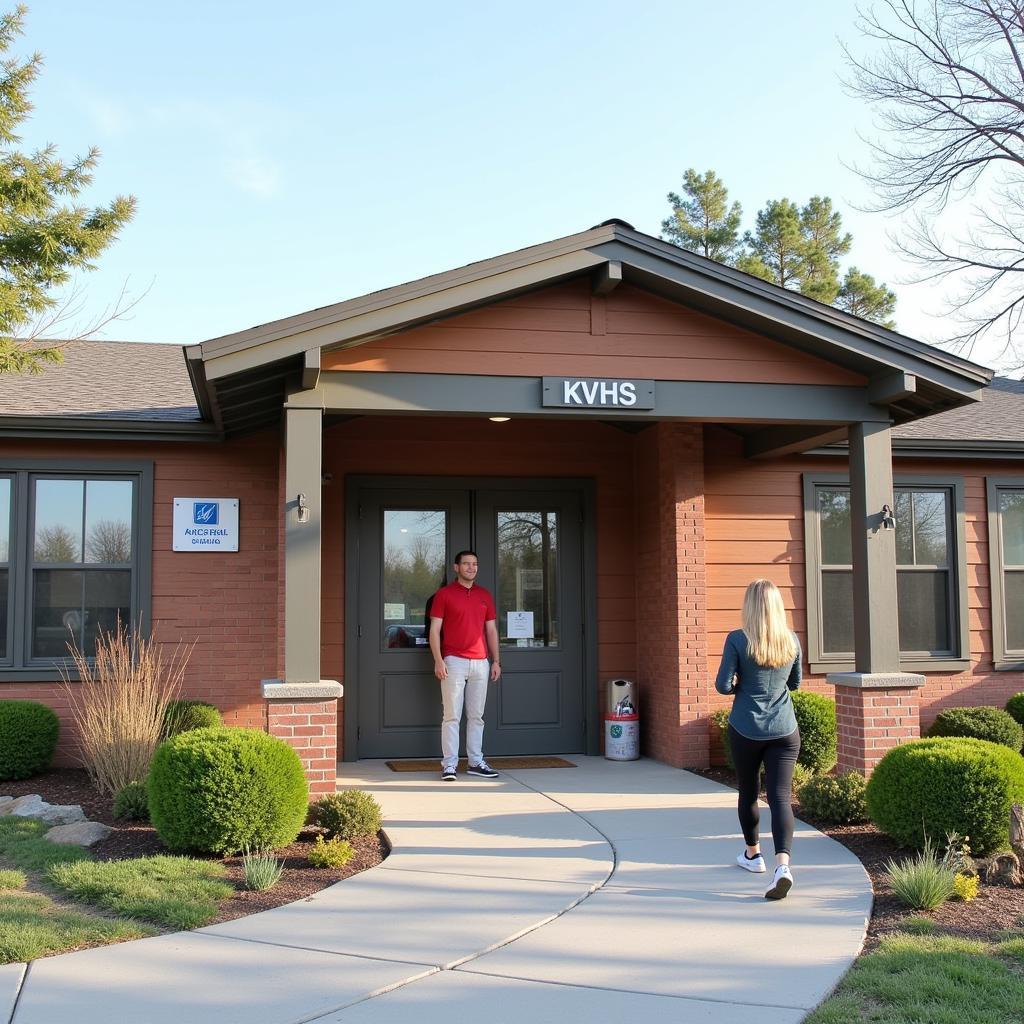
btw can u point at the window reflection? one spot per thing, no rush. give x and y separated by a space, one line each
415 542
527 578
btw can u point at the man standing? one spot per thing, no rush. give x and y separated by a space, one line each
468 615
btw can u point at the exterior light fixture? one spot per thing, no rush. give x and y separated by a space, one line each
888 518
303 508
499 419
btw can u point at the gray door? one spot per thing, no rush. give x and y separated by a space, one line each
530 547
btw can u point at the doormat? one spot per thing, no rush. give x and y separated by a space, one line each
509 763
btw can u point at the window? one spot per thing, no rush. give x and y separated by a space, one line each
74 559
930 573
1006 566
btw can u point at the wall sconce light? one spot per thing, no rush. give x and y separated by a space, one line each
303 508
888 518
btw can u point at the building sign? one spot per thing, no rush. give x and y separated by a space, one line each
597 393
205 524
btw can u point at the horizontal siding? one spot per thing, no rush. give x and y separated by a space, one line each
565 330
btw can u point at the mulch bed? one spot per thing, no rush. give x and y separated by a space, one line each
996 907
136 839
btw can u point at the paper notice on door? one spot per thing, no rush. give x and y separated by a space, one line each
394 611
520 625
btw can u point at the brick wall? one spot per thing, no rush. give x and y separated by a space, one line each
310 728
871 722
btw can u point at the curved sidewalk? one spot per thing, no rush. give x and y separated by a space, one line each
604 892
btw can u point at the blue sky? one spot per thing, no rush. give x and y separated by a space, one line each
285 159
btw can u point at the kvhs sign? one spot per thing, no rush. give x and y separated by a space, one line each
597 393
205 524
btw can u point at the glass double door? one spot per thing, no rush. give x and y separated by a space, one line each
529 543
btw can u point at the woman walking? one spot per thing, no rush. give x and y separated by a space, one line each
760 665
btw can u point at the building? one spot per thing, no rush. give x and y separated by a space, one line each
627 433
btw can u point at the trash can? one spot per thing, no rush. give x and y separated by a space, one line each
621 721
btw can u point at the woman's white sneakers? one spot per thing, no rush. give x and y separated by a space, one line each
781 883
755 864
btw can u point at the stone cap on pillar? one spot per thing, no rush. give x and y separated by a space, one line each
876 680
279 689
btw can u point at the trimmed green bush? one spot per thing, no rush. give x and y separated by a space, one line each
347 815
838 799
816 718
928 788
1015 707
801 776
982 723
132 803
183 715
28 737
720 721
335 853
221 790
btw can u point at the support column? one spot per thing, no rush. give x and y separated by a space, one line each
877 705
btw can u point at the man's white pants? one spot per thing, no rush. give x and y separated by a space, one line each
466 684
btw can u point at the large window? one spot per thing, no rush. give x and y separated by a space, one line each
930 573
74 557
1006 566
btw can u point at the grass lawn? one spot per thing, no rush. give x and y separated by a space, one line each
176 892
938 979
22 845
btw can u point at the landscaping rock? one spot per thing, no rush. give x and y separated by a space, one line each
1003 869
60 814
81 833
24 806
5 800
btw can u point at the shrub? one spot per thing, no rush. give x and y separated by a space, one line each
720 721
182 715
262 870
28 736
965 887
924 881
947 784
1015 707
222 789
132 802
981 723
335 853
816 717
801 776
118 704
838 799
348 814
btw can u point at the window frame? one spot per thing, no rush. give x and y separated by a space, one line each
1003 659
960 660
20 666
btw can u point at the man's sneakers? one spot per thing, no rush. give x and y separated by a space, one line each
447 774
781 883
483 769
755 864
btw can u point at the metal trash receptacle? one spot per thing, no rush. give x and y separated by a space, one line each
621 721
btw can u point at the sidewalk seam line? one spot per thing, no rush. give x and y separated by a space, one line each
317 949
21 988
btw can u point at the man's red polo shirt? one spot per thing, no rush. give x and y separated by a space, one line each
464 611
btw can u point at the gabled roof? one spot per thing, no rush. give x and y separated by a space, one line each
241 378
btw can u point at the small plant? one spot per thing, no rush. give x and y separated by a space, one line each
918 925
12 879
924 881
132 802
28 736
347 815
334 853
965 887
262 870
801 776
1015 707
118 704
220 790
838 799
981 723
182 715
720 721
816 718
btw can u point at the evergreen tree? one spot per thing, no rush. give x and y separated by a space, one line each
704 222
776 246
823 244
860 296
44 237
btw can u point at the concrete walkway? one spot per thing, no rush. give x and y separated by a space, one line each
605 892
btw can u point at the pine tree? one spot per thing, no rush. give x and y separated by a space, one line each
776 246
44 237
860 296
823 244
704 222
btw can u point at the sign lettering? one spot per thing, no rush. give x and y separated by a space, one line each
596 393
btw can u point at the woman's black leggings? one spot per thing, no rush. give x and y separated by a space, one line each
778 756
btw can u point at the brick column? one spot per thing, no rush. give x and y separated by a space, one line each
874 712
305 716
671 594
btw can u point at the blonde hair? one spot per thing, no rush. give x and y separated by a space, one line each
769 640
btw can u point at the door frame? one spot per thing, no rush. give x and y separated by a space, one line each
354 485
